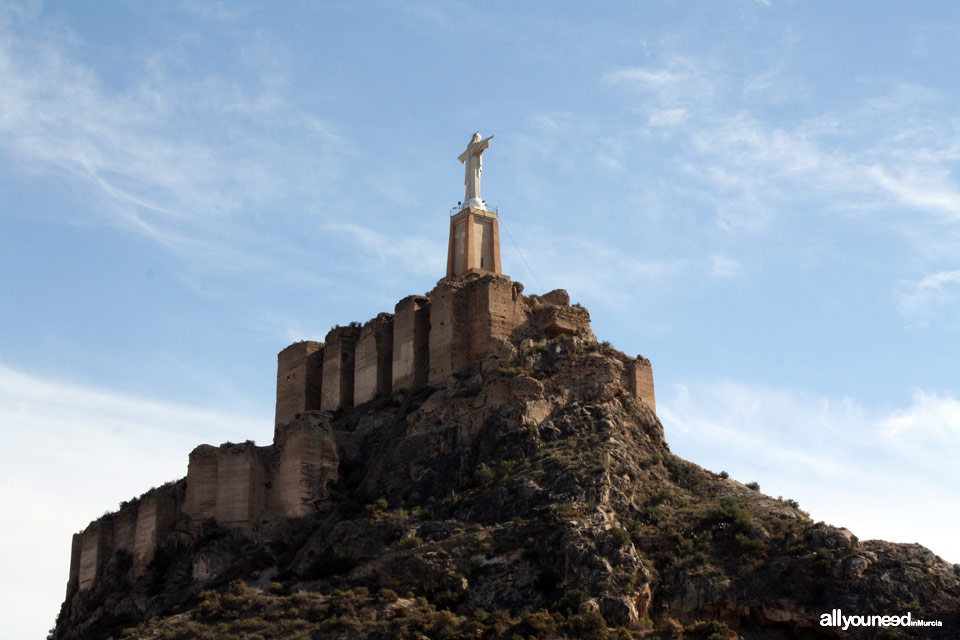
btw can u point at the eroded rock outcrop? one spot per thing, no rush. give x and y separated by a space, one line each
528 491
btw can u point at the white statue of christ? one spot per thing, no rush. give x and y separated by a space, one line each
472 159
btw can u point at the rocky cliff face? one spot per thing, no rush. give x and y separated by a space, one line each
531 496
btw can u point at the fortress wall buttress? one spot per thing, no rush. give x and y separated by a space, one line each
299 380
241 490
411 337
76 546
374 360
307 466
95 547
155 519
125 527
495 309
339 353
448 331
202 470
640 381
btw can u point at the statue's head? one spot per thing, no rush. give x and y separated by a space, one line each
476 137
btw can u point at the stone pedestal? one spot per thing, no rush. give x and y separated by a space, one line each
474 247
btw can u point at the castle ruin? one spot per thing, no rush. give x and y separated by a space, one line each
471 321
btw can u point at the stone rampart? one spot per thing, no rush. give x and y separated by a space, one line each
373 373
640 381
76 546
307 465
241 485
155 520
95 547
202 484
339 354
462 324
411 335
447 339
299 380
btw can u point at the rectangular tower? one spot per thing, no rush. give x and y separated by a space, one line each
299 380
339 354
374 360
411 334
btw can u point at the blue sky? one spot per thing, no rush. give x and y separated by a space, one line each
761 197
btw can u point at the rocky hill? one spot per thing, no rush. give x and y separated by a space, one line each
533 500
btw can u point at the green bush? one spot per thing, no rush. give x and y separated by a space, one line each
619 536
730 516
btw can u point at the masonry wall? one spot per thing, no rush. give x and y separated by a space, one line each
495 310
339 354
155 519
640 381
241 484
299 380
125 528
307 468
76 547
373 372
202 483
411 339
448 313
95 547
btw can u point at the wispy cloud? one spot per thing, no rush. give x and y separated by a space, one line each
652 77
841 460
137 152
724 267
921 301
416 254
70 453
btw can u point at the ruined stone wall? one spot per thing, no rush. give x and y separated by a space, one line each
226 483
241 486
155 519
76 546
373 372
461 323
202 484
640 381
125 527
136 529
429 339
495 309
95 547
447 340
411 335
307 466
299 380
339 354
